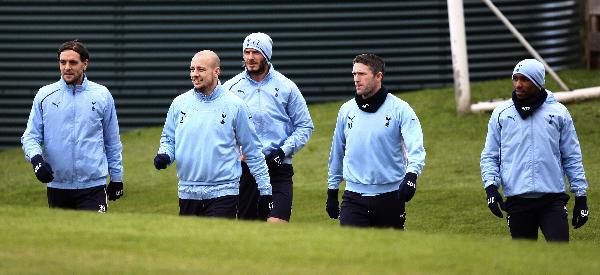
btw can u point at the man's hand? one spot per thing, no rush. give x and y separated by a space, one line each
408 187
114 190
43 171
161 161
332 206
265 205
580 212
494 200
276 157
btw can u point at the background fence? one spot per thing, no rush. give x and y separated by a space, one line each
141 50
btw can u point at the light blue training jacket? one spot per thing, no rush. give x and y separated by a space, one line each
78 129
531 157
279 111
373 151
201 134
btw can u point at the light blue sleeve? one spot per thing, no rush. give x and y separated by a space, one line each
246 136
112 141
412 134
490 156
303 125
167 138
336 155
33 137
572 160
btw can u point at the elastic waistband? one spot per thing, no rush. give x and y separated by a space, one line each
77 185
371 189
202 183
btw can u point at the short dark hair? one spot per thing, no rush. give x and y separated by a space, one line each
76 46
374 62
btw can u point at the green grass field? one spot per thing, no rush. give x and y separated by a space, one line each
449 228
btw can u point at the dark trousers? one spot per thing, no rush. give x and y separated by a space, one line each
91 199
221 207
384 210
281 181
548 213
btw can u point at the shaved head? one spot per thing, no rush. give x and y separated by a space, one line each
205 69
210 56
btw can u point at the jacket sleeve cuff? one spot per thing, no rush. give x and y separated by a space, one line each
266 191
488 183
264 187
116 178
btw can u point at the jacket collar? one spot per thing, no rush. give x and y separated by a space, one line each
214 95
526 107
372 104
74 87
267 77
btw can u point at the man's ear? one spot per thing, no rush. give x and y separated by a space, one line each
85 64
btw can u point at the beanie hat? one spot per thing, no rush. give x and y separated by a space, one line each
261 42
533 70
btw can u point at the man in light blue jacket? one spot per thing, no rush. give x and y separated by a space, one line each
377 149
531 145
203 128
282 121
72 137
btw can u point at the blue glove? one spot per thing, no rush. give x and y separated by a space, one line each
275 157
161 161
265 205
114 190
494 200
408 187
43 171
332 206
580 212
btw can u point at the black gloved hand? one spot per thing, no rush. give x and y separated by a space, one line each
494 200
265 205
408 187
43 171
580 212
161 161
332 206
275 157
114 190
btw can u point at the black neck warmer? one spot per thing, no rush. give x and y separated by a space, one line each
372 104
527 106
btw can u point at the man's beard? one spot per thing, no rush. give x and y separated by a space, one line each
262 67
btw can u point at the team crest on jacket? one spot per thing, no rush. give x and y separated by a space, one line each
93 105
387 120
223 116
550 118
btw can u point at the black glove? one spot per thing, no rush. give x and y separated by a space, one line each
265 205
161 161
408 187
114 190
580 212
332 206
276 157
494 200
43 171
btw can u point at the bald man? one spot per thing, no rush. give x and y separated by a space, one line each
203 128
